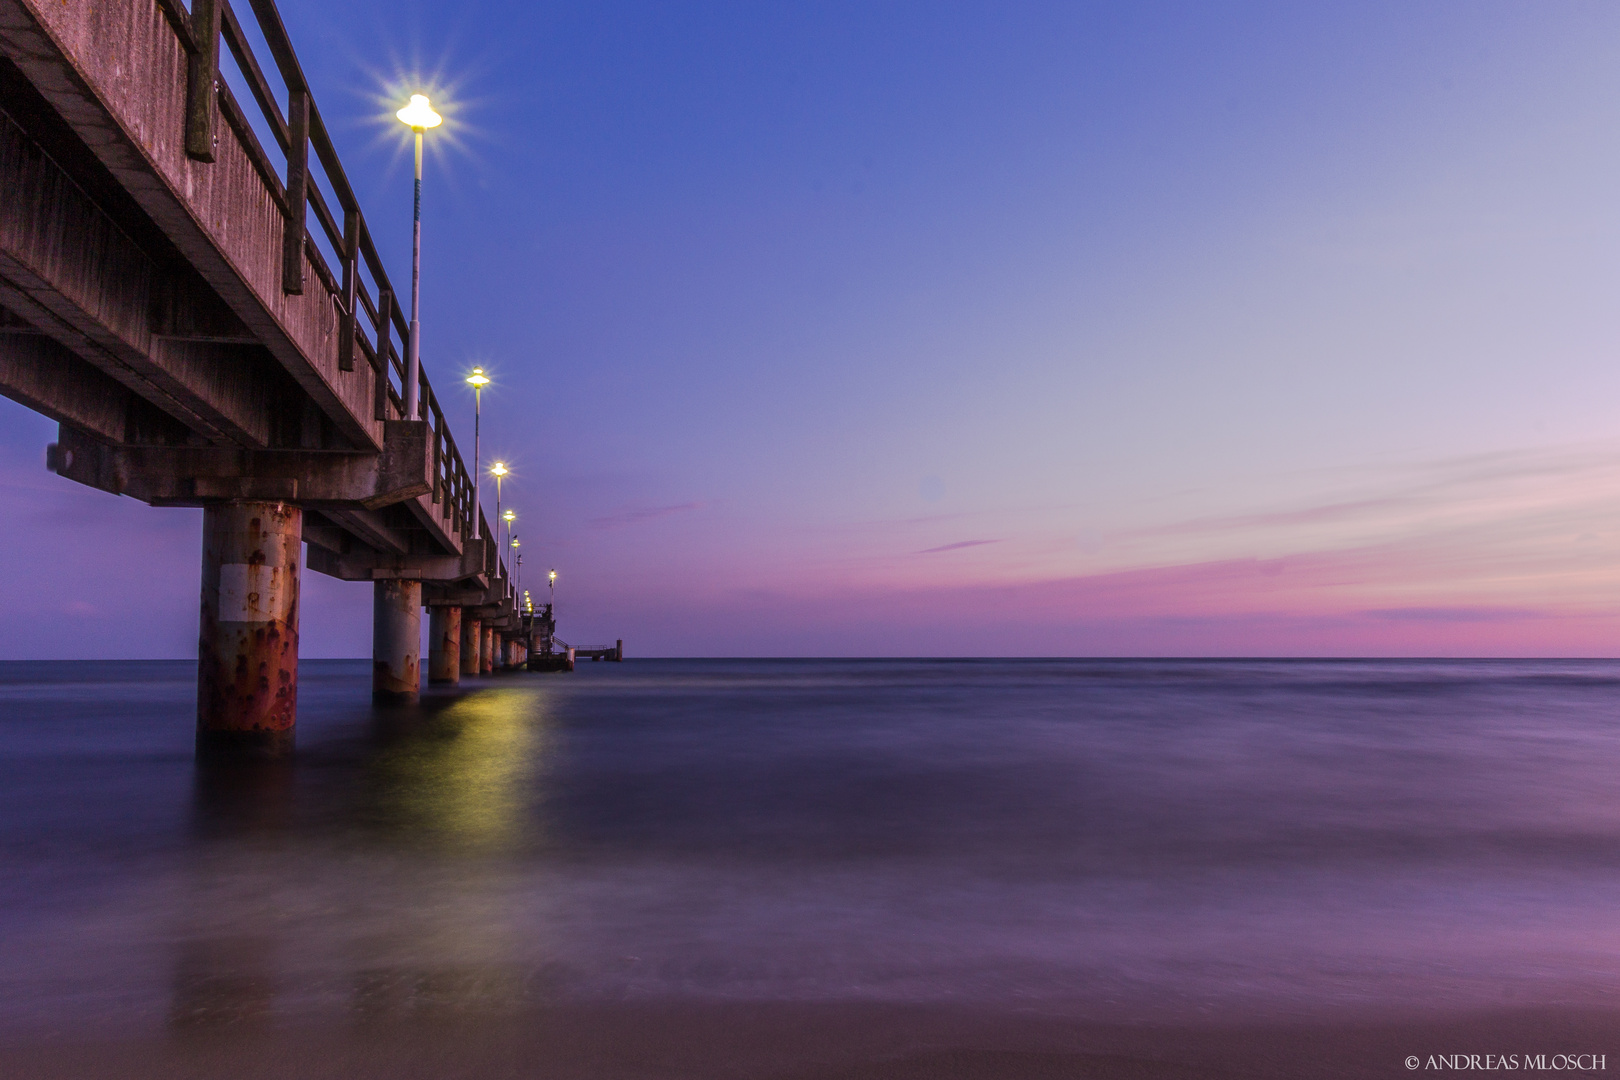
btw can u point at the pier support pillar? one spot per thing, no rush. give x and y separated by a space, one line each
444 645
396 640
472 637
487 652
247 648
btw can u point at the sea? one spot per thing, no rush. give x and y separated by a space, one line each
1114 841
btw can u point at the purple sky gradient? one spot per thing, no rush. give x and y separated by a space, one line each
913 329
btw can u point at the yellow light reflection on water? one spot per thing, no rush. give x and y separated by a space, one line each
464 779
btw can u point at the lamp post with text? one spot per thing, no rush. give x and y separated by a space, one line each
418 116
477 380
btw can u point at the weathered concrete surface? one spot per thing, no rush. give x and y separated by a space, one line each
116 72
389 561
396 641
472 644
69 268
247 650
171 312
444 645
195 476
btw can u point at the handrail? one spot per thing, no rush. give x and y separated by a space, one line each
358 307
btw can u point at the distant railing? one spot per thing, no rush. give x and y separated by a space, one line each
294 133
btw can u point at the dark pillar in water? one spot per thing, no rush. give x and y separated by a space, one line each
444 645
396 640
472 636
247 649
486 655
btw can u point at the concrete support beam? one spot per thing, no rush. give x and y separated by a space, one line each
396 641
72 272
444 645
383 561
378 535
196 476
44 375
247 652
472 643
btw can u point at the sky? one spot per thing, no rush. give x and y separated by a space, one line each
966 329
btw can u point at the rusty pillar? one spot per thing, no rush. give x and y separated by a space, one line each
472 637
247 649
396 640
486 655
444 645
511 652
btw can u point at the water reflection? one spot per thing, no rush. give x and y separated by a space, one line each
457 777
371 881
1128 839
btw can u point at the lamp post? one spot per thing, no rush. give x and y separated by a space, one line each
498 470
478 380
418 116
553 583
511 537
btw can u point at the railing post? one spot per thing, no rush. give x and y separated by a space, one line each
202 79
351 281
385 322
438 444
292 247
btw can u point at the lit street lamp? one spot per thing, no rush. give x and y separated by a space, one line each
478 380
517 567
418 116
498 470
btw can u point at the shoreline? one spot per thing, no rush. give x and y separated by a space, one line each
787 1041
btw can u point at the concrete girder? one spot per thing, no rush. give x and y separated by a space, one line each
195 476
380 564
41 373
369 528
468 594
432 518
72 272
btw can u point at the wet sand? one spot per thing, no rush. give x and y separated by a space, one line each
807 1042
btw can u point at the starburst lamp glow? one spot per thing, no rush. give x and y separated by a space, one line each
419 115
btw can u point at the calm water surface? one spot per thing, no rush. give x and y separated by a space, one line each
1111 839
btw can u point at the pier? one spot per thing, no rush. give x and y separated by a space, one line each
206 317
